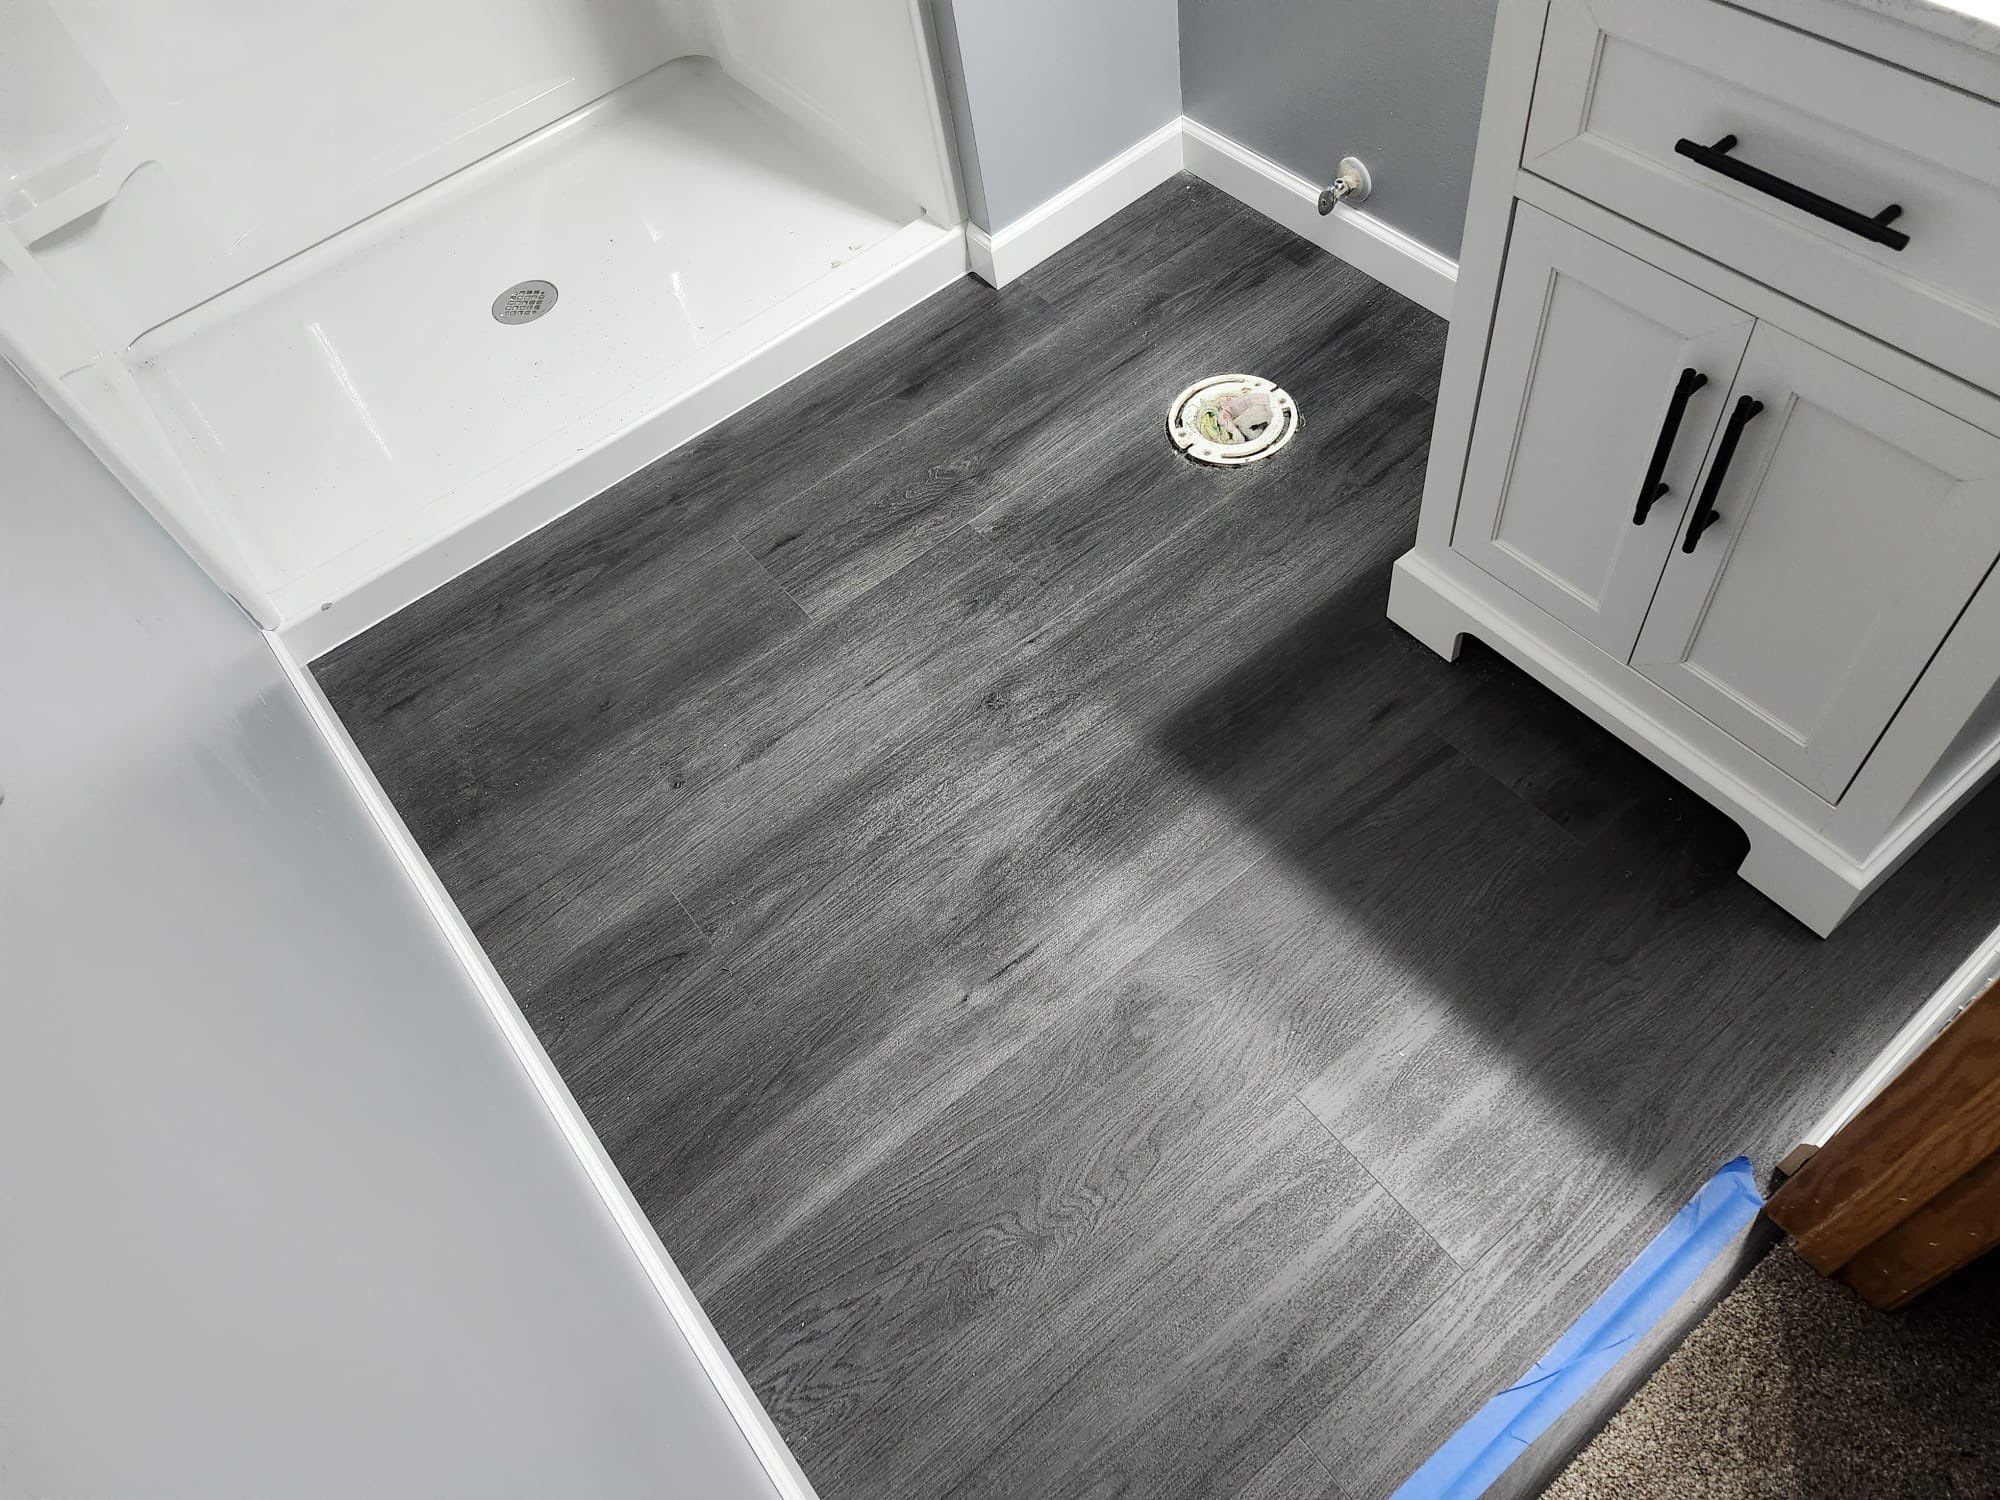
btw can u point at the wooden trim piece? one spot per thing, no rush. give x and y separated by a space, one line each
1935 1123
1959 1224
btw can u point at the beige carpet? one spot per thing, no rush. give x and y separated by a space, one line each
1793 1386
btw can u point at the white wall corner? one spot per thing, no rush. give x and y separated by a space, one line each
979 256
1003 255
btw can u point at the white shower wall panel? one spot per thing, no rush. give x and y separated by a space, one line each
247 248
360 404
174 150
859 75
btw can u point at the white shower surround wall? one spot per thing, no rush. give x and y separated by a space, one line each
249 251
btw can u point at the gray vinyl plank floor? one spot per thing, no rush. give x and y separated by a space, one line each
1091 1007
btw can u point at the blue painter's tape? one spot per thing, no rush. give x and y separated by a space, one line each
1477 1454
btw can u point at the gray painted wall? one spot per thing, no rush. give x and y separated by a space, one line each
1046 91
1397 83
282 1213
1043 92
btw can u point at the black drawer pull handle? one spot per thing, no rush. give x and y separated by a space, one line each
1704 508
1717 159
1691 381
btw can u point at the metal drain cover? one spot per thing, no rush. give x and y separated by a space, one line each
1232 419
524 301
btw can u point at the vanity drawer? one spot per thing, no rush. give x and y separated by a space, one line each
1634 98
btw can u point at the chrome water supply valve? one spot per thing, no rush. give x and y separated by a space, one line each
1353 185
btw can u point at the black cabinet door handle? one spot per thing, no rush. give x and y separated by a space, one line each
1704 508
1717 159
1691 381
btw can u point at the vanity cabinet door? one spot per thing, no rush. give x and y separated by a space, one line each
1850 524
1603 388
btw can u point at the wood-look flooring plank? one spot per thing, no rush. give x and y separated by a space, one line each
1248 572
911 897
1226 590
581 574
1312 957
609 991
907 979
1549 972
1108 365
1103 1215
1612 1028
1093 1008
1579 775
654 789
1385 1414
1348 355
1070 831
1243 1000
1073 838
596 990
1217 1353
1294 1473
478 741
1654 1018
1132 243
1222 1351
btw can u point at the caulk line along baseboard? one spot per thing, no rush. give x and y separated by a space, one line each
1353 234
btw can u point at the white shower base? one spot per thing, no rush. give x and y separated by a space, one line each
367 431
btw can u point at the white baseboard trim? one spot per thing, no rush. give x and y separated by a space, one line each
1971 981
787 1478
1352 234
1001 256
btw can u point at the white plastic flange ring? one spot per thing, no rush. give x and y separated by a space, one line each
1203 441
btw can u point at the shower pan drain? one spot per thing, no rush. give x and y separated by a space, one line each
524 301
1232 419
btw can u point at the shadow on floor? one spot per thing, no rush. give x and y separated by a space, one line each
1561 975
